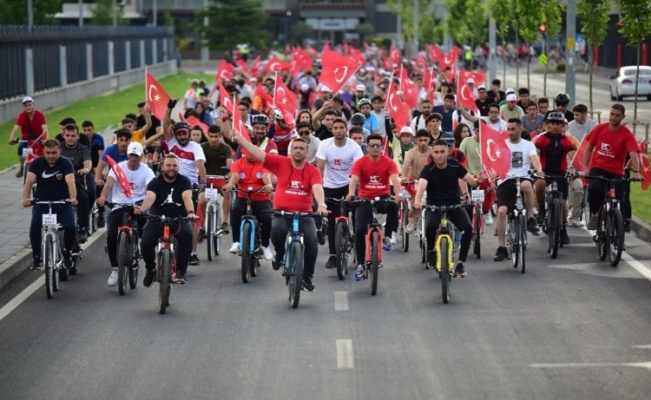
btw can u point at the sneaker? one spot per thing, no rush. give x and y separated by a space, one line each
67 260
276 263
431 260
574 222
225 227
460 271
533 227
411 227
266 253
359 273
101 218
593 222
150 274
386 244
394 238
488 219
113 279
201 234
194 259
179 279
332 262
19 174
235 248
37 264
627 225
501 254
82 236
541 216
308 286
565 239
320 237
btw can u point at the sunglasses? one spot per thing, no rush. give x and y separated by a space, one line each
374 146
303 133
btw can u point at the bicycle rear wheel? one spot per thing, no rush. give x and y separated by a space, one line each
514 233
554 221
602 229
522 248
48 264
404 223
341 249
615 237
477 232
374 268
210 213
164 279
444 273
134 266
217 237
423 248
124 256
247 256
295 274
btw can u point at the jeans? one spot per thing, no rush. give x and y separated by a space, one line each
263 218
460 220
83 208
114 221
597 189
153 231
65 217
280 225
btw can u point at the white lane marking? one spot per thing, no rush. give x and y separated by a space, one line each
345 359
642 346
341 301
646 365
22 296
636 265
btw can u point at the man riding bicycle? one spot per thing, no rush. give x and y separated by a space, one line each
375 174
55 180
138 176
33 128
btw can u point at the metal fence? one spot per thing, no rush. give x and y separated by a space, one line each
48 57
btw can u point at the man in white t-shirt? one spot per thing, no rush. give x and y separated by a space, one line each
138 176
191 162
523 158
335 158
579 127
493 120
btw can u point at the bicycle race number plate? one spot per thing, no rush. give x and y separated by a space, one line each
211 194
27 151
49 219
478 196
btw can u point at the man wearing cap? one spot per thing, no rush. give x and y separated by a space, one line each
471 85
482 101
360 93
325 94
138 176
401 145
371 123
33 126
511 109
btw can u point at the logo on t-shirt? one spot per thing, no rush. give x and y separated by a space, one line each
517 159
296 188
606 150
47 176
336 161
169 199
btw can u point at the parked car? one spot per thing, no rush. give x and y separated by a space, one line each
623 84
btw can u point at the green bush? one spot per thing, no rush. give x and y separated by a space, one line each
560 68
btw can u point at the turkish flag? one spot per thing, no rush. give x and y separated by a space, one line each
645 168
478 76
157 97
357 54
465 95
430 80
435 52
242 65
285 100
122 178
277 65
224 99
255 66
449 60
394 55
301 61
337 69
577 161
496 155
194 121
410 90
239 125
225 71
260 92
398 109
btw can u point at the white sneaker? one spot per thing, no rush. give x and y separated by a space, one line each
394 238
574 222
266 252
411 227
488 219
113 279
235 248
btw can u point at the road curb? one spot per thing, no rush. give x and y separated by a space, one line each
641 228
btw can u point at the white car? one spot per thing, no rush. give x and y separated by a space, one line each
623 84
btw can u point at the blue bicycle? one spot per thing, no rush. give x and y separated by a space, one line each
250 249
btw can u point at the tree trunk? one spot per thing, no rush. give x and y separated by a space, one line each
504 63
637 80
529 72
590 67
517 60
545 79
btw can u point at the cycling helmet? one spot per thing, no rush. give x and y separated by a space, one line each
180 126
555 116
260 119
358 119
449 140
562 99
278 115
363 101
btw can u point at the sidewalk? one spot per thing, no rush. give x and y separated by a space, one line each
15 252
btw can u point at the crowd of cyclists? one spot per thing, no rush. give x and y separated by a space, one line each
341 145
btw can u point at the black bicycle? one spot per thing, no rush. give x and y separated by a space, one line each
516 228
344 239
128 250
250 245
553 222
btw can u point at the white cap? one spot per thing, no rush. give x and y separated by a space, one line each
510 90
135 148
511 97
27 99
360 88
470 81
305 87
406 130
481 87
325 89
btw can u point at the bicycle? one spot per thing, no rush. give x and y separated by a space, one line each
477 197
373 259
30 155
250 249
554 219
128 254
292 263
212 218
404 211
444 247
166 260
51 248
344 239
516 227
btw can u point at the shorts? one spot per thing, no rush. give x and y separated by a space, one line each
506 192
563 186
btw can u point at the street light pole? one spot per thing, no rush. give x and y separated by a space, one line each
570 81
30 15
288 15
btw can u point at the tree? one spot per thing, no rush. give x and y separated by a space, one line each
635 25
233 22
405 10
502 11
552 18
466 22
364 29
14 12
529 19
103 13
594 17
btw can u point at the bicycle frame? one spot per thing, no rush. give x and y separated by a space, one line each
374 226
249 218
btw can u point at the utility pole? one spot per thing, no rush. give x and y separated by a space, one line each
30 15
570 32
415 54
204 42
81 14
492 50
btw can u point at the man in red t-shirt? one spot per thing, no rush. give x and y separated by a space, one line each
605 155
247 172
375 174
33 130
298 182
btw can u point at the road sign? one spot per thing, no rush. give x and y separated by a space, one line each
542 59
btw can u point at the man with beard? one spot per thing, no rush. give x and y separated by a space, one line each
418 122
322 121
168 194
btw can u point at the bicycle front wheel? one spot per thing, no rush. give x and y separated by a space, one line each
296 274
522 248
477 232
374 268
514 239
124 261
210 227
602 229
164 279
404 223
246 255
444 273
48 264
341 249
134 266
615 237
554 221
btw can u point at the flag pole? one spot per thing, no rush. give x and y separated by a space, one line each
146 88
576 153
275 88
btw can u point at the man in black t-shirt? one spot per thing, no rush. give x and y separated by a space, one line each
55 181
440 179
168 194
79 156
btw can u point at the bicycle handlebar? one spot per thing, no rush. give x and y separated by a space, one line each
167 220
45 202
432 207
360 201
613 180
294 214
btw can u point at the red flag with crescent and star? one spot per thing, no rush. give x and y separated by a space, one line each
645 168
225 71
337 69
157 97
398 109
122 178
495 154
465 95
410 90
277 65
224 99
194 121
285 100
255 66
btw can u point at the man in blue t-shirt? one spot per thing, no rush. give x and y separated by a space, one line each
446 111
117 151
55 180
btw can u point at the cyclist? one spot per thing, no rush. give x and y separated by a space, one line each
433 124
523 156
562 100
33 126
304 130
357 135
335 158
168 194
470 146
55 180
440 179
138 176
375 174
79 156
556 152
259 137
415 161
284 133
608 145
299 183
191 159
96 150
218 155
247 172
